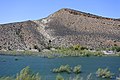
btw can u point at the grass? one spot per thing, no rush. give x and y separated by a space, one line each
74 51
17 53
63 52
77 53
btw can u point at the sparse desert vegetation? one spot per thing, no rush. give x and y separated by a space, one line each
104 73
63 68
27 74
77 69
65 27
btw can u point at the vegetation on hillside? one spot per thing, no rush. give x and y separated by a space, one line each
75 50
116 48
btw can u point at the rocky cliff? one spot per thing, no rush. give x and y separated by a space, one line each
65 27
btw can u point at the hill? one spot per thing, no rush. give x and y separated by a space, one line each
65 27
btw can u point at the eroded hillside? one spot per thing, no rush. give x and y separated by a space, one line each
65 27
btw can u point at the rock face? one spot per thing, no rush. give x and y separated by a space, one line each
65 27
21 36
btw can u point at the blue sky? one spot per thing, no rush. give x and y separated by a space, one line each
21 10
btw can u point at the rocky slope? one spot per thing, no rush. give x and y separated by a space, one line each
65 27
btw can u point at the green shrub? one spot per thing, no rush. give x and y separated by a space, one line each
104 73
68 69
59 77
118 54
119 69
62 68
77 69
26 74
7 78
76 47
84 48
116 48
98 53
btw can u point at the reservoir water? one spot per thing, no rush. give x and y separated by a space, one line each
9 66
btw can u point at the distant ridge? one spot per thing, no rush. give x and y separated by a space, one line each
64 28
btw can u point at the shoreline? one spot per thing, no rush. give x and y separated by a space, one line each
57 53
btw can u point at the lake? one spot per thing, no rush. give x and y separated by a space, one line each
9 66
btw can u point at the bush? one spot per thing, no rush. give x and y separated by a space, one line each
26 74
7 78
77 69
59 77
84 48
116 48
104 73
77 47
63 68
119 69
98 53
68 69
